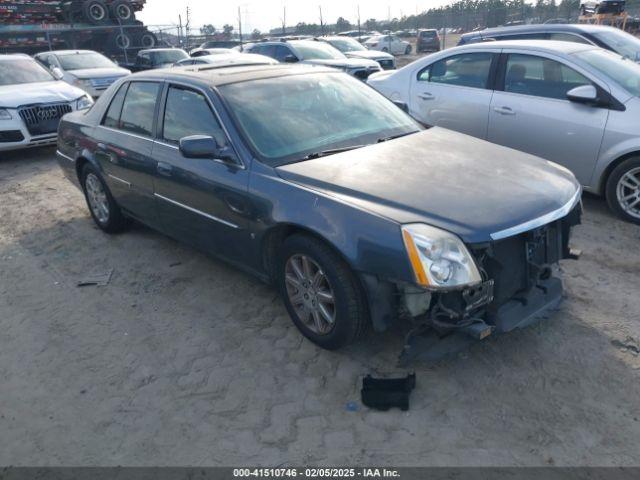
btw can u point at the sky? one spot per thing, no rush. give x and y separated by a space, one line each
266 14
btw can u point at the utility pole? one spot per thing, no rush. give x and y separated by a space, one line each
180 30
187 26
321 22
240 26
359 31
284 21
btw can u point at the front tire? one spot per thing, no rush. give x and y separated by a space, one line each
96 12
122 12
103 208
623 190
321 293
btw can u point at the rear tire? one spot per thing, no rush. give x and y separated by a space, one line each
407 51
146 40
96 12
623 190
321 294
121 11
103 208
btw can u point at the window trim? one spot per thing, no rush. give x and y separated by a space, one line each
491 77
603 95
154 125
162 104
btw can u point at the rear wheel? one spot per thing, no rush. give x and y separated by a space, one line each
96 12
321 293
147 40
102 206
623 190
122 11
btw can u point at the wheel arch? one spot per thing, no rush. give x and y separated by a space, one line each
604 178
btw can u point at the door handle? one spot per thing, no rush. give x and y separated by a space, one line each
504 110
426 96
165 169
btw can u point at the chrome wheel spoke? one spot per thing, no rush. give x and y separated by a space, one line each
310 294
628 192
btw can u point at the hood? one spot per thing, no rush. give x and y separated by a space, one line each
94 73
446 179
13 96
344 63
369 54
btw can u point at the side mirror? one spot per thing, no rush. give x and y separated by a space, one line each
57 73
290 59
583 94
203 146
402 106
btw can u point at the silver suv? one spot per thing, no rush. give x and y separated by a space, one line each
313 52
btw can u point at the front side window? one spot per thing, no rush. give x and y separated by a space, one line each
568 37
465 70
315 113
317 51
188 113
139 108
280 53
540 77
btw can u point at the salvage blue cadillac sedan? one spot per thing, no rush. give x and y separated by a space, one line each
311 180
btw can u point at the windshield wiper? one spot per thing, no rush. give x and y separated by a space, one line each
393 137
332 151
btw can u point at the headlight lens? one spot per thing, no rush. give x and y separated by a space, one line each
439 258
84 102
4 114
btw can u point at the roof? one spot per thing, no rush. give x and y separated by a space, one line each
548 46
68 52
216 76
541 27
13 56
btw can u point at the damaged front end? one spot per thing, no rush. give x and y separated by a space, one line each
517 286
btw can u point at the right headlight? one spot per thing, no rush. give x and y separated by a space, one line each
439 259
4 114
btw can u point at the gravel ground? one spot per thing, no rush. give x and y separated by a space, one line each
182 360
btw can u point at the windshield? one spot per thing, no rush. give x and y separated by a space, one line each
23 70
621 42
317 51
625 72
81 61
168 56
316 112
346 44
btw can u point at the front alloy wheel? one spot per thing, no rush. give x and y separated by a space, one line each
323 296
623 190
310 293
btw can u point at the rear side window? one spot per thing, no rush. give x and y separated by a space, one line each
188 113
139 108
112 118
540 77
568 37
465 70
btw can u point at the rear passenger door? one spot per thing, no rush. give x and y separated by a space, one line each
530 112
124 141
455 93
202 201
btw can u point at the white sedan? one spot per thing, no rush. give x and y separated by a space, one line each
388 43
571 103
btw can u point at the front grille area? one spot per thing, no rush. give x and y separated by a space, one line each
386 64
44 118
11 136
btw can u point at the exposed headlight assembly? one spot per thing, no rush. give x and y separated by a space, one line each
4 114
439 259
84 102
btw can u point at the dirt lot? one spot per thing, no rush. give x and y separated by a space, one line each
182 360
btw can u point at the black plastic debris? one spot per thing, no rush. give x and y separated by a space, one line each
385 393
